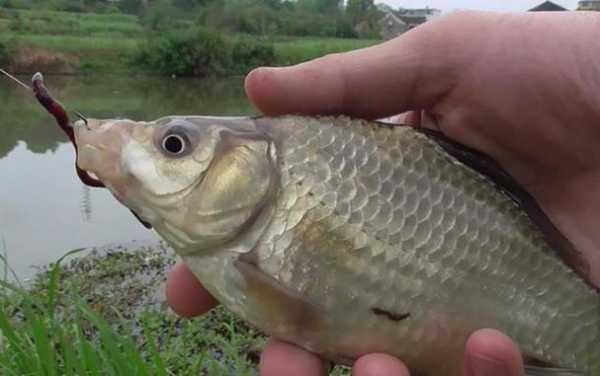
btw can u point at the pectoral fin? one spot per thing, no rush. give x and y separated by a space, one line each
290 315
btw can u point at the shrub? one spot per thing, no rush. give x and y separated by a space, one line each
247 54
197 53
202 52
161 15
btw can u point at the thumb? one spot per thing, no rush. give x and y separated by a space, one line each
410 72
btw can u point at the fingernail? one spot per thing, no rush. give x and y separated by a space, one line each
484 366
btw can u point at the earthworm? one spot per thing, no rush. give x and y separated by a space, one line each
62 118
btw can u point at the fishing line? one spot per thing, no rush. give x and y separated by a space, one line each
79 114
14 79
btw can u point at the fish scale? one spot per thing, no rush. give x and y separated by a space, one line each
482 239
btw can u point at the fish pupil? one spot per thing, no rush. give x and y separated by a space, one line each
173 144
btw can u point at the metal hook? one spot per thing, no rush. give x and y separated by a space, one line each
83 118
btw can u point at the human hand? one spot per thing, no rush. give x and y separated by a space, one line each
495 82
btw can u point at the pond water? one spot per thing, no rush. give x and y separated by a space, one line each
45 210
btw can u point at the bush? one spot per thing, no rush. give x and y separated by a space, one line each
161 15
197 53
202 52
247 54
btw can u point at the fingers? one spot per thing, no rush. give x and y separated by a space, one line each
407 73
185 294
280 358
491 353
379 365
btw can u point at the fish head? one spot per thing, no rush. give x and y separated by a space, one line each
200 182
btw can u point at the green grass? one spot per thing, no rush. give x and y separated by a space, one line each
107 43
72 43
68 23
38 343
68 324
294 51
101 315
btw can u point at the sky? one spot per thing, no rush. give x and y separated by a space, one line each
493 5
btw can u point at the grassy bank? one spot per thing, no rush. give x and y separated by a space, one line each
110 43
297 50
104 313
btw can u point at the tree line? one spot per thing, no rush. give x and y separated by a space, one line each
325 18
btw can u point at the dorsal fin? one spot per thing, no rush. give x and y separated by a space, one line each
491 169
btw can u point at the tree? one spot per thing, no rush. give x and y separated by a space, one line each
359 10
322 6
161 15
188 5
131 6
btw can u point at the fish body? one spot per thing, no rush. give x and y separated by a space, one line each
349 237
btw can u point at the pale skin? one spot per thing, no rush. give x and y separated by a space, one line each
522 88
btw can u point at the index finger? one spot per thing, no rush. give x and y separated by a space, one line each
185 294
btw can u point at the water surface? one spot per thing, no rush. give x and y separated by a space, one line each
44 209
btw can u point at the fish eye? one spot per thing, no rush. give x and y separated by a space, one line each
174 144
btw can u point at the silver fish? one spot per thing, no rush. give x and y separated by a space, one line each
349 237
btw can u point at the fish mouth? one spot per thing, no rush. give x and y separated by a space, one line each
92 175
88 159
98 150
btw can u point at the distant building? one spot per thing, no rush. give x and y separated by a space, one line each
392 26
589 5
396 22
413 21
427 13
548 6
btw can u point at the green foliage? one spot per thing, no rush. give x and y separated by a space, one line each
110 43
16 22
119 329
322 6
188 5
130 6
195 53
64 5
317 18
202 52
161 15
295 50
68 23
364 16
247 54
36 342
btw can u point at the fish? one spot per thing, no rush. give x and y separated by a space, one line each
348 237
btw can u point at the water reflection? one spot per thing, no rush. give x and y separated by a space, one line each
44 209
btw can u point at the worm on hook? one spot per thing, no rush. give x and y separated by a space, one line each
59 113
